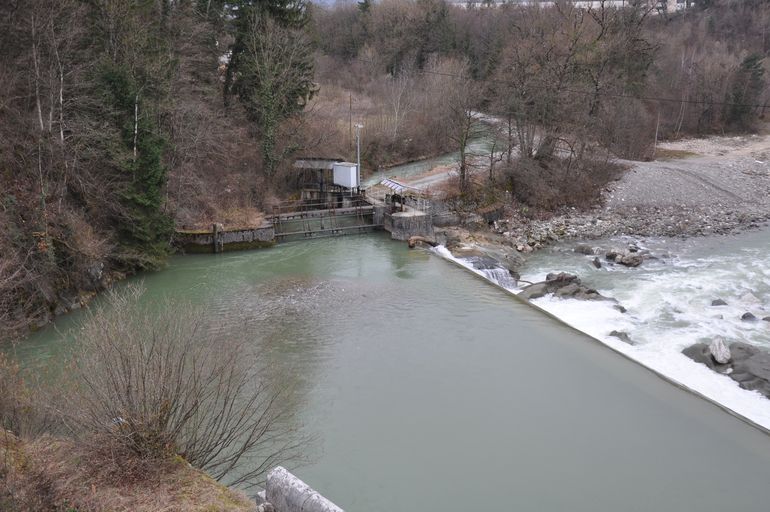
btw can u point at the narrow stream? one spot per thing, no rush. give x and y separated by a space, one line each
431 390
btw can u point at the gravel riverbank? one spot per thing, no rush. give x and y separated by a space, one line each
723 188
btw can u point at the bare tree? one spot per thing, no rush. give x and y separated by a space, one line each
399 94
158 384
463 121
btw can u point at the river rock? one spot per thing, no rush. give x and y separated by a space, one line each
631 260
619 308
597 263
750 298
562 285
568 291
719 350
622 336
749 366
748 317
584 249
700 353
628 259
718 302
534 291
766 319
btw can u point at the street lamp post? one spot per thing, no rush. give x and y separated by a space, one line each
358 156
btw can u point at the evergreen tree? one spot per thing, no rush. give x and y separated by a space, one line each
271 69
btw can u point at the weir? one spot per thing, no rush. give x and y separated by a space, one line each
335 215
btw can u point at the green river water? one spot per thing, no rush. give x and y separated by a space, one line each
429 389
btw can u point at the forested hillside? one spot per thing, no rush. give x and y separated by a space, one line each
120 120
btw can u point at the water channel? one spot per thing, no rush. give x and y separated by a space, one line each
430 389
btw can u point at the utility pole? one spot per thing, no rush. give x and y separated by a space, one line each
358 156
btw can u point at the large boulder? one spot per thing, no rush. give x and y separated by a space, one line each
700 353
562 285
631 260
627 258
748 365
751 367
719 350
535 291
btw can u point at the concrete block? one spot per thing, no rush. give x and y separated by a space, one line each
288 493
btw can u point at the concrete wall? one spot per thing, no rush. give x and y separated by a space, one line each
287 493
404 225
226 239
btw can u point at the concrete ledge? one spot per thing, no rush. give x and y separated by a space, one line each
287 493
218 239
405 225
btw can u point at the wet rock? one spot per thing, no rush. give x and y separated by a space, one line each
766 319
534 291
628 259
719 350
751 367
750 298
631 260
619 308
568 291
562 285
597 263
748 317
700 353
584 249
561 278
622 336
718 302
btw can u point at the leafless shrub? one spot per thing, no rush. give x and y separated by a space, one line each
553 183
157 382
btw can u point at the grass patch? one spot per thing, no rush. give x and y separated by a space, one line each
52 474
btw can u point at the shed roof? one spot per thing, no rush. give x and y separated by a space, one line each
399 188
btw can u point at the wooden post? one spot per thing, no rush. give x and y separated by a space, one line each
218 237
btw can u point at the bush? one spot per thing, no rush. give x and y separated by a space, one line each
553 183
155 382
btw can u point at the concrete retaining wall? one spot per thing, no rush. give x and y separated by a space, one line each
219 239
404 225
287 493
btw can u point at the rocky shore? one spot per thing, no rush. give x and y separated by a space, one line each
720 185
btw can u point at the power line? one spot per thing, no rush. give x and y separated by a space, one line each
605 94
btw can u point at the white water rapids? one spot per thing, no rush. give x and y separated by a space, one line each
668 303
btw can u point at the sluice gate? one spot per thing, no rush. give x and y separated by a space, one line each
337 216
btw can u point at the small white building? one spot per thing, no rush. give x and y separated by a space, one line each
345 174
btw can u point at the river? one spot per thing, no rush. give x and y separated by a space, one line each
429 389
